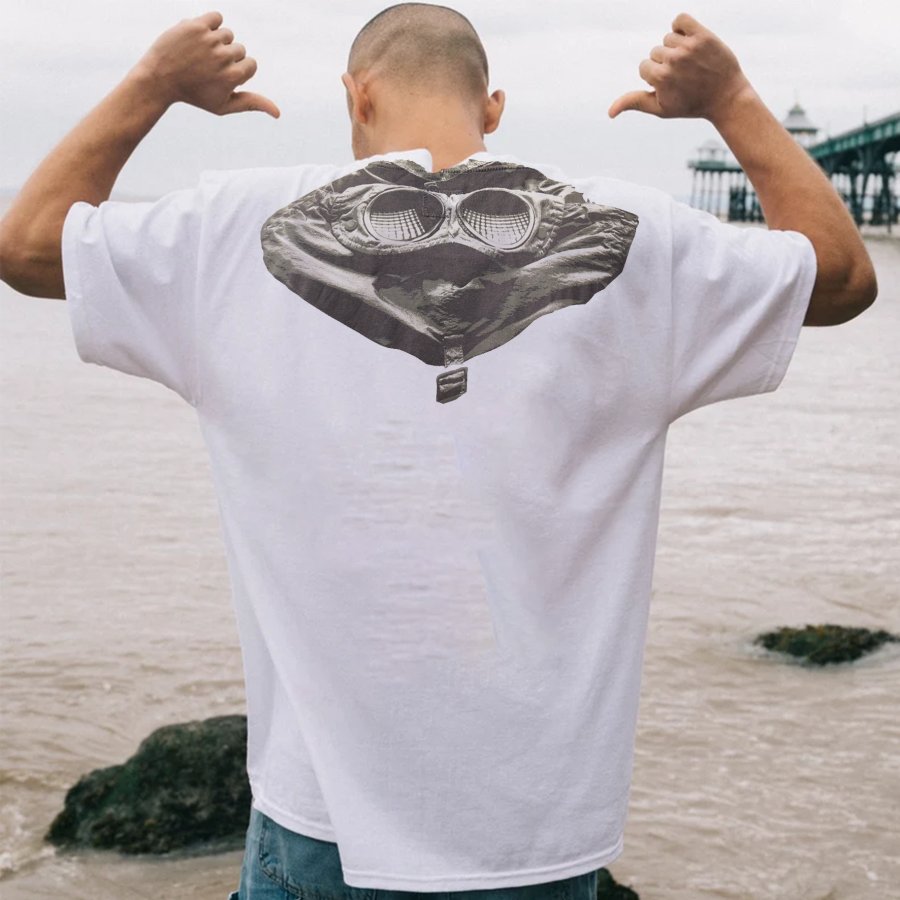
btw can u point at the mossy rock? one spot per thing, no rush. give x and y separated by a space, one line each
823 644
186 785
609 889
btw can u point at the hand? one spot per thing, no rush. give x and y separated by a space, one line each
694 75
198 63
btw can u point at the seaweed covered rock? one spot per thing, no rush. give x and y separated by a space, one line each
823 644
609 889
185 788
186 784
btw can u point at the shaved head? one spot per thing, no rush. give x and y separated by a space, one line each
422 48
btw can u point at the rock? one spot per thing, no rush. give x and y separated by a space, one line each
609 889
823 644
185 788
187 784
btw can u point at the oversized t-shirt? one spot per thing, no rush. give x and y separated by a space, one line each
435 406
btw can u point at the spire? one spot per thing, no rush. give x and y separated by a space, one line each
797 121
798 124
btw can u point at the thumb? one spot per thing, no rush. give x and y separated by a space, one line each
643 101
246 101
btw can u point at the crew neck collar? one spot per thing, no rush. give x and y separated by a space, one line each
421 156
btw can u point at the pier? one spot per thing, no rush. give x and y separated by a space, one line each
861 164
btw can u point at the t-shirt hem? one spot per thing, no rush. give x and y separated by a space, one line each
790 333
475 881
73 226
292 821
485 880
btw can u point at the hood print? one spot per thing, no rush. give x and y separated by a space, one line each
445 265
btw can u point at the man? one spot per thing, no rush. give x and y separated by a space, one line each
435 385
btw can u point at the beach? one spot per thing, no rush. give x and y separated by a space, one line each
754 778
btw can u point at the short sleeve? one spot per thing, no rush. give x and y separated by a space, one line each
131 275
739 298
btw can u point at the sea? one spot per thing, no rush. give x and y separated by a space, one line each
754 779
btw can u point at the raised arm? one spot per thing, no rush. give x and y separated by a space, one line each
195 62
695 75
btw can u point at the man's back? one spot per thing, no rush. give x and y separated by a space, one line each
440 598
436 405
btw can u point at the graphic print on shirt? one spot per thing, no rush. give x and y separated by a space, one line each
445 265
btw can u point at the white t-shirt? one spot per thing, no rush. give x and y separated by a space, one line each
436 410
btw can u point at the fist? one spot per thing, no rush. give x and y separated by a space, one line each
693 75
199 63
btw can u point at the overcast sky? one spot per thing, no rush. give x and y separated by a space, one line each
561 65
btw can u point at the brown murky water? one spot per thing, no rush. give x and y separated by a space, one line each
753 778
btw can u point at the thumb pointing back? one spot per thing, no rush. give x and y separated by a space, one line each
642 101
244 101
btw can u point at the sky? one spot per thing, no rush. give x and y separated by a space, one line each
561 64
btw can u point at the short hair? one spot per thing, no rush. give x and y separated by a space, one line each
429 48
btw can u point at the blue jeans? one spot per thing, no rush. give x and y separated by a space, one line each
280 864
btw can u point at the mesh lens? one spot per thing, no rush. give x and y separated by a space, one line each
497 217
404 215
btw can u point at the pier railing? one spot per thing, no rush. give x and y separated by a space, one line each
861 164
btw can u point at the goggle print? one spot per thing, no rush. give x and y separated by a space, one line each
498 217
398 218
446 268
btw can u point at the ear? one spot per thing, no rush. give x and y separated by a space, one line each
347 81
494 110
357 100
